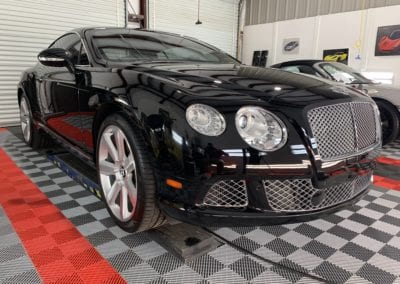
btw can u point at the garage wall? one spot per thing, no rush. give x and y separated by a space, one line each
28 26
269 11
354 30
219 20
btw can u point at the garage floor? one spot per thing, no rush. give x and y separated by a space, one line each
54 230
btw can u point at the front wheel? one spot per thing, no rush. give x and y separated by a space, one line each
390 122
126 176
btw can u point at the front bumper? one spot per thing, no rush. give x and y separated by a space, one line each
209 217
259 199
266 201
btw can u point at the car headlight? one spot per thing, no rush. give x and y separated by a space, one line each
205 119
261 129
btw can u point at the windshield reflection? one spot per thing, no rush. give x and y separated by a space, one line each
343 73
150 47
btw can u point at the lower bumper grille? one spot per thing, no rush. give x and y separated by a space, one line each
226 193
299 195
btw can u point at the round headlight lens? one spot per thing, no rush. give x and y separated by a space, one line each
205 119
261 129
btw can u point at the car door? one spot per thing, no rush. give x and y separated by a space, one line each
87 98
58 93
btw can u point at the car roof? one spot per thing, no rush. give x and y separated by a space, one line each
82 30
297 62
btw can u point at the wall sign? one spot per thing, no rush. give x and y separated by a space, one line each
291 46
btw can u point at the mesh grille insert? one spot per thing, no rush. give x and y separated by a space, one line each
226 193
299 195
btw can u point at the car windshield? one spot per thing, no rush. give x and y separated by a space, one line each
343 73
132 46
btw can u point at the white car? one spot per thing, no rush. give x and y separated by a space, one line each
386 97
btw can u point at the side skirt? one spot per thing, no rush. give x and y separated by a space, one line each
68 145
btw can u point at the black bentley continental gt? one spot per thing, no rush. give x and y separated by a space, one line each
179 128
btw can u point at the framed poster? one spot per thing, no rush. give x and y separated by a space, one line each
260 58
291 45
337 55
256 58
387 41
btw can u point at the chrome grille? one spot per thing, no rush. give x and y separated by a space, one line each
345 129
226 193
299 195
366 122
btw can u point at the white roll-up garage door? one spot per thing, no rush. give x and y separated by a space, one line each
28 26
219 20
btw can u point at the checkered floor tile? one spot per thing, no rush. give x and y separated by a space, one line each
392 150
361 244
15 265
357 245
137 257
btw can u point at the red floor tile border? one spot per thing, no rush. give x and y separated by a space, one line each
59 253
387 182
388 161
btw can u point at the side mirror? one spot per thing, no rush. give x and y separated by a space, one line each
56 57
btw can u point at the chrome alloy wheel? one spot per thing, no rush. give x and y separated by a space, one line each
117 171
25 117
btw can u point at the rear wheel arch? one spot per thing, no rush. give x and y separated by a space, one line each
20 93
37 138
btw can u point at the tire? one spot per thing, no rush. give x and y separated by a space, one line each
127 177
31 134
390 121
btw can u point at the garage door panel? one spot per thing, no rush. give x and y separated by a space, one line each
36 10
29 26
219 20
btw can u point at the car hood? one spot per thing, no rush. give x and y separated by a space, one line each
230 83
389 93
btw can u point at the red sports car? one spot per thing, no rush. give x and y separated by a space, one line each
389 43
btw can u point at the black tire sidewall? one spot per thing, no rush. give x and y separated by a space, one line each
121 122
393 116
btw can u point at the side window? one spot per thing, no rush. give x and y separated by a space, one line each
293 69
305 69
